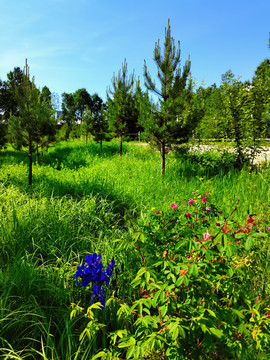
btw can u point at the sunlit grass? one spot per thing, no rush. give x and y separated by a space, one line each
76 206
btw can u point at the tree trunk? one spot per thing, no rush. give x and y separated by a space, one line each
121 146
37 155
86 136
162 156
30 151
101 146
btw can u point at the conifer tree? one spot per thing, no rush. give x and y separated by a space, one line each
99 127
34 119
166 123
119 100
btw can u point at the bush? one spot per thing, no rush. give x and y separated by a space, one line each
197 294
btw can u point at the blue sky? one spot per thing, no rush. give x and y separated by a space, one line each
72 44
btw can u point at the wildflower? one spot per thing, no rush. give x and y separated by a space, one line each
92 272
206 236
268 228
193 192
157 212
200 179
188 214
190 202
113 227
220 212
204 199
153 208
207 208
174 206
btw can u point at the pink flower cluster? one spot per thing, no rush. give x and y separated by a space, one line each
206 236
174 206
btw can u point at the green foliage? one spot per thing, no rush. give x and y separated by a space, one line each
122 112
198 297
80 202
35 120
63 132
166 122
74 106
211 161
8 88
3 133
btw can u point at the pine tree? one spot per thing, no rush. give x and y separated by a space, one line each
166 123
99 127
34 119
119 99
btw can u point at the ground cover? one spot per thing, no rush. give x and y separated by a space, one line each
81 202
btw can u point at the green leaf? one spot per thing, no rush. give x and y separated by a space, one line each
193 270
203 327
141 271
186 281
229 251
179 281
155 299
230 272
257 235
182 332
239 313
179 245
175 333
211 312
163 310
240 235
218 333
147 276
130 352
249 243
99 355
129 342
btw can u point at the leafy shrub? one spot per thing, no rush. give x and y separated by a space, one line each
197 292
211 161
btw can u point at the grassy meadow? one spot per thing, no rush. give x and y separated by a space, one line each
79 203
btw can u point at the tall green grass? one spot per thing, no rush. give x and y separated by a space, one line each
77 205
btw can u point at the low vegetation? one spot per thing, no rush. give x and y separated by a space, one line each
191 249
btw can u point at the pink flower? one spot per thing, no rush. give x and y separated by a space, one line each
157 212
190 202
188 214
204 199
174 206
207 208
268 228
206 236
220 212
193 192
